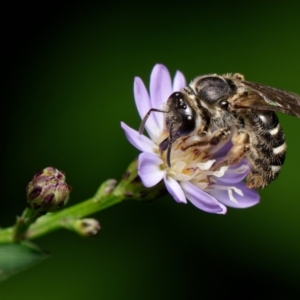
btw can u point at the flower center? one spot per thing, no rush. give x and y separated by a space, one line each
191 161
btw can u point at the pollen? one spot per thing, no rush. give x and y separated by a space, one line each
188 171
199 155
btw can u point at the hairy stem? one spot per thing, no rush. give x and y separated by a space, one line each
104 198
30 226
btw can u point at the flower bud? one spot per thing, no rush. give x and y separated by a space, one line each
47 191
86 227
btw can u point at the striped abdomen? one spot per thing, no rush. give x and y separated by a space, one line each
267 151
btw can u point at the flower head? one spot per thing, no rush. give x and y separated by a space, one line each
190 175
47 191
87 227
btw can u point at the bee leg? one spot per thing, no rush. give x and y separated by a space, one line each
203 145
241 146
213 141
256 180
220 135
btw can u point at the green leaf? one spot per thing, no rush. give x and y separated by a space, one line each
15 258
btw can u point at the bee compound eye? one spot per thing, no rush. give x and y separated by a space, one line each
187 126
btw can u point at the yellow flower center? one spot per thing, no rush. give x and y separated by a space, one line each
190 161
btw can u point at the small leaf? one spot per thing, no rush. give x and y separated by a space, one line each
15 258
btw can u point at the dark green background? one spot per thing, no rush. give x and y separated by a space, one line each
68 82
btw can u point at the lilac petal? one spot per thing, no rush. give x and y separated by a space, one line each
160 90
143 104
139 141
174 189
250 197
179 82
201 199
149 170
142 99
235 173
221 151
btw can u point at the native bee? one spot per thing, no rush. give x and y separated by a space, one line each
218 106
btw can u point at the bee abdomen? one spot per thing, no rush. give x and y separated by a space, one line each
268 148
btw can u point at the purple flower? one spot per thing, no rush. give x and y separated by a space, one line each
190 176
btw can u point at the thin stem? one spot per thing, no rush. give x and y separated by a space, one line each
129 188
28 217
53 221
57 220
7 235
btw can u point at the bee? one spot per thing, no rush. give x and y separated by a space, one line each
218 106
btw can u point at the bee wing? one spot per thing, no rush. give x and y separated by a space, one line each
262 97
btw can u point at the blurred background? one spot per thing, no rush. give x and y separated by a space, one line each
68 70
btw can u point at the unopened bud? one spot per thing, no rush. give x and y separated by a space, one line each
86 227
47 191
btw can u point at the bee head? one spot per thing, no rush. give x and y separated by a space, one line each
181 120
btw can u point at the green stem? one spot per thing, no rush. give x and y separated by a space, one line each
28 217
129 188
53 221
57 220
7 235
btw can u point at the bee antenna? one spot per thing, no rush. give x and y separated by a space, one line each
142 127
171 141
169 155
